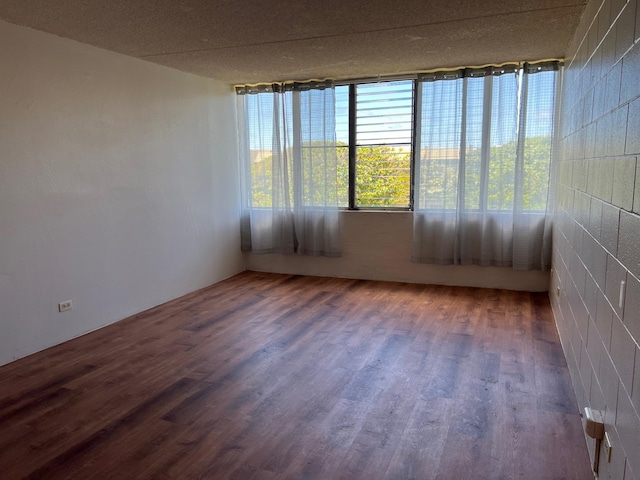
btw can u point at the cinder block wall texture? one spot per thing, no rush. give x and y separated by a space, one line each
597 229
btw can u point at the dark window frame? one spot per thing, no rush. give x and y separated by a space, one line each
352 102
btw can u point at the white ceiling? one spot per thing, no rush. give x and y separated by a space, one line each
245 41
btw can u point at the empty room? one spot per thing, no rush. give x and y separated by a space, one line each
320 240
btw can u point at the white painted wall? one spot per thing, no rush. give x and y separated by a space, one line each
118 187
377 246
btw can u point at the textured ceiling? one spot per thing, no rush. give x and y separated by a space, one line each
246 41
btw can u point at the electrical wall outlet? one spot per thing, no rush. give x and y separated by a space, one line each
64 306
594 426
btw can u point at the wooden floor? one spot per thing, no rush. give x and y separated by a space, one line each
269 376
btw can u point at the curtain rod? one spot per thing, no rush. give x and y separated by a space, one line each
402 76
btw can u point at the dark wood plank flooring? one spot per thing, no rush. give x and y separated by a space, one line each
268 376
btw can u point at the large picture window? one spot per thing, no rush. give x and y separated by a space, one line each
469 151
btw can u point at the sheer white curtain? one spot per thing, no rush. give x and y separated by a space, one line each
483 173
289 169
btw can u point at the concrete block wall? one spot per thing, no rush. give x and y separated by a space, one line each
597 229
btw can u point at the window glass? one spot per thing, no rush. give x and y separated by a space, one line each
384 117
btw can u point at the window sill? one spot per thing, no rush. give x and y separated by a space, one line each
377 210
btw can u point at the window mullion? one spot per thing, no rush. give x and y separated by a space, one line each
415 142
352 147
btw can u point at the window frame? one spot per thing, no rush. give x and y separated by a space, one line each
352 159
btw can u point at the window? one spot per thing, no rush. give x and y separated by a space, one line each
384 128
378 144
485 141
290 142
